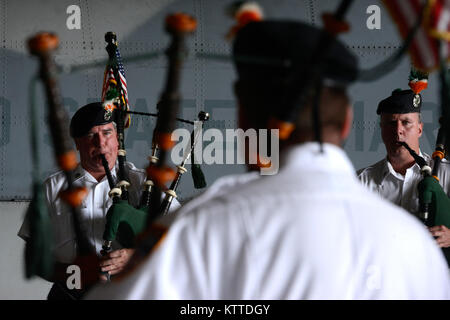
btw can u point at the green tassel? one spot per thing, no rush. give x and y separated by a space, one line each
198 177
416 74
112 93
39 259
197 174
38 249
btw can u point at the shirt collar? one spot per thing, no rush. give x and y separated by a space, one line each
81 173
308 156
388 169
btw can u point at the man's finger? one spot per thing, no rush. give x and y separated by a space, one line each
108 268
436 233
103 278
110 262
115 254
105 263
116 271
114 264
112 268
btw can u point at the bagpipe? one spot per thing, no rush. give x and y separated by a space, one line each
136 227
124 222
431 195
434 203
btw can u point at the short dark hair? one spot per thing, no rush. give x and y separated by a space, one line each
274 58
257 104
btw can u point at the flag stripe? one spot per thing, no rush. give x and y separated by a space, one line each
410 17
431 48
424 49
406 20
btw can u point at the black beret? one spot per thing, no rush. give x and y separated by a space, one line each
269 51
400 101
87 117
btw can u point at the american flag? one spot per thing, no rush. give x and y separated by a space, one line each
438 19
109 79
424 49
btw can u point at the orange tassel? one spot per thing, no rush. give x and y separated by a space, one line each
245 14
418 86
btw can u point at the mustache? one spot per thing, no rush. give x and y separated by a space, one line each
399 142
99 153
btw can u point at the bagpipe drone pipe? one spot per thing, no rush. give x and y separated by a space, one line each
39 259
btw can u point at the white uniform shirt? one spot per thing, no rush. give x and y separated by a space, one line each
398 189
93 209
309 232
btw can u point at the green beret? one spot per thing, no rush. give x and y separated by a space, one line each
270 50
400 101
87 117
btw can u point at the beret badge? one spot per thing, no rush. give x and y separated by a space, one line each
416 101
109 107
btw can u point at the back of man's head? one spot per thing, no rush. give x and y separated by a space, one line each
268 56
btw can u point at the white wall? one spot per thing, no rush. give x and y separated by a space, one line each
13 284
